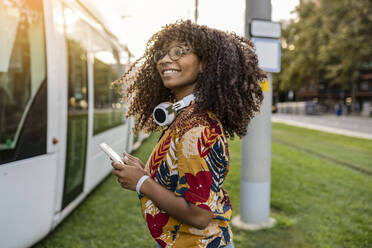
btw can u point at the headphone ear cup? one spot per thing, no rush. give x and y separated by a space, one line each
162 116
165 113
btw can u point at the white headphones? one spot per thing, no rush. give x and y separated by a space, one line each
164 113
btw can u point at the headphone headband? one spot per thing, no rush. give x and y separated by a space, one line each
183 103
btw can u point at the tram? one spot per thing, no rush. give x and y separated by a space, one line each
57 60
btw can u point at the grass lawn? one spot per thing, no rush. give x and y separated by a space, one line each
316 201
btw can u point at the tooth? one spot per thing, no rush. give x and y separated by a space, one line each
168 71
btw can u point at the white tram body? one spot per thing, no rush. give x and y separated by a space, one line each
57 60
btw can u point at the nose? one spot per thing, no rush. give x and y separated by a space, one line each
165 59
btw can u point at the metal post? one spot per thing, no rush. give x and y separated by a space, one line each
256 149
196 13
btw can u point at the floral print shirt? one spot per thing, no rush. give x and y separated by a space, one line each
191 159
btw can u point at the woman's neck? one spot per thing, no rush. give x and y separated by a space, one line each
179 95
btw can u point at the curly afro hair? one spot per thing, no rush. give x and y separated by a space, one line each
228 85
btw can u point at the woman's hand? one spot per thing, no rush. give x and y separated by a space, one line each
133 161
129 173
128 176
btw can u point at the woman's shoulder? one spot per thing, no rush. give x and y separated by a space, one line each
193 117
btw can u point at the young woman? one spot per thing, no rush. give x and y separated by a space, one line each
180 188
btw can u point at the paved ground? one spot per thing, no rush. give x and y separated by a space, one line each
347 125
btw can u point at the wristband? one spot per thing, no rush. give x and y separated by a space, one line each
140 182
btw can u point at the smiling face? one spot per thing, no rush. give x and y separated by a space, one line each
179 75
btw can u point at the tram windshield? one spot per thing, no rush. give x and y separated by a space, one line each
22 65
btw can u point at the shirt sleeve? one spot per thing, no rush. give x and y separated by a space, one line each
202 166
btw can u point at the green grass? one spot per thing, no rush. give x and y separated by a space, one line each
316 202
343 148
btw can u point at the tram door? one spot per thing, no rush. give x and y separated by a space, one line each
77 127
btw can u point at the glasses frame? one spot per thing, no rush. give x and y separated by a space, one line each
185 50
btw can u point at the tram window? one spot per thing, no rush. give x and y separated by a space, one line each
77 36
77 31
108 111
22 80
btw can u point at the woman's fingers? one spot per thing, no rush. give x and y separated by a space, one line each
117 166
126 160
119 171
130 157
121 182
126 154
116 173
139 163
131 160
128 176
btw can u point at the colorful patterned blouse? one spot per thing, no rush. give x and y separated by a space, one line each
191 159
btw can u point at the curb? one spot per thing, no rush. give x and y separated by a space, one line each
323 128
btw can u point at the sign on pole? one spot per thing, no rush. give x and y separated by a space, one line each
268 52
265 29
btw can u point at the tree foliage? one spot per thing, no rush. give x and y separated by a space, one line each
329 42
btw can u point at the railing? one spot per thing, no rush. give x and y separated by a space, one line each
300 108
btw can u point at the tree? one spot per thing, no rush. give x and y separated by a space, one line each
330 42
300 49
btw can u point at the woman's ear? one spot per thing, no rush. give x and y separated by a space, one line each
201 66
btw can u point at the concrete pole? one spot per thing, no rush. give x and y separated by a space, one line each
196 13
256 149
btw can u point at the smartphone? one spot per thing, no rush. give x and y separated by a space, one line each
111 153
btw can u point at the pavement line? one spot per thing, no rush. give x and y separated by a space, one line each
323 128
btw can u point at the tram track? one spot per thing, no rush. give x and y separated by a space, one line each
333 160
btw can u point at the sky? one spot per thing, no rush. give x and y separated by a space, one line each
135 21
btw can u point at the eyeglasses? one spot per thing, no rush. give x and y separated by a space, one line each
174 53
